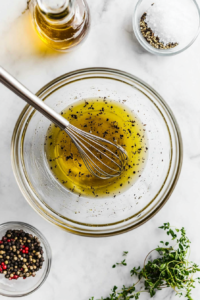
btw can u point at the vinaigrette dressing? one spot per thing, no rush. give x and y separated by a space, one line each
107 119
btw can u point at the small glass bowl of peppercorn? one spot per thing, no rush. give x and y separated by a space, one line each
25 259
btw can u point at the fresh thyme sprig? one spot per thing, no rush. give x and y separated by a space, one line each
123 262
170 269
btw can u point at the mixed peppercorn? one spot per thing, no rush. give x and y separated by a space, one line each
21 255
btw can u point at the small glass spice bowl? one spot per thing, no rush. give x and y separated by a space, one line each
140 9
21 287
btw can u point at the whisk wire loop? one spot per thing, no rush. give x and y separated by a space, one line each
96 138
99 151
88 161
85 141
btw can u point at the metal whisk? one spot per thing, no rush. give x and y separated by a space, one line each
102 158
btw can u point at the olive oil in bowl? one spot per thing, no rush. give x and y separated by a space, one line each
110 120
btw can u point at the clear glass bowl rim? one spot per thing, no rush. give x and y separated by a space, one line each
47 248
153 50
55 218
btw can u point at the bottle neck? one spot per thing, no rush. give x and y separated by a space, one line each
56 9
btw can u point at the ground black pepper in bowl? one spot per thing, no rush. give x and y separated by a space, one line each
150 37
21 255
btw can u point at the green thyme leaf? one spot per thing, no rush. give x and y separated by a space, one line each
114 266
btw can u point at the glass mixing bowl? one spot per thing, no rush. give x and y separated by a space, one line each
92 216
141 7
20 287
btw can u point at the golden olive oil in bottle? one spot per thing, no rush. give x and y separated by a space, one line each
61 24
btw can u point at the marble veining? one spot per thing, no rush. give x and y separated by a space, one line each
82 266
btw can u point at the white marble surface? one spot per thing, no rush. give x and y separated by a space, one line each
82 266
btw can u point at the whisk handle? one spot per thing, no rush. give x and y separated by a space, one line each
20 90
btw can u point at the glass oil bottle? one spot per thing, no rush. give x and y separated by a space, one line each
61 24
